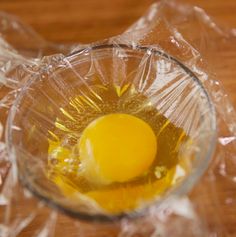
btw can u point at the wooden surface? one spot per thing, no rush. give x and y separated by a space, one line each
67 21
90 20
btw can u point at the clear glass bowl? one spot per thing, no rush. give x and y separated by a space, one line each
169 85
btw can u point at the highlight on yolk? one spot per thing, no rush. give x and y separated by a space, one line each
116 148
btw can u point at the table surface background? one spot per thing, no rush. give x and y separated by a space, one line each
67 21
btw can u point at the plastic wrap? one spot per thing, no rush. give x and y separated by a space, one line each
172 37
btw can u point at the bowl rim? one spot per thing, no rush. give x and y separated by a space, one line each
185 185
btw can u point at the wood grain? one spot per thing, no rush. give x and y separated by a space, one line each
85 21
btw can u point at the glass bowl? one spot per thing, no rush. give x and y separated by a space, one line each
169 86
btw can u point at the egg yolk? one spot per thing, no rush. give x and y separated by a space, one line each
116 148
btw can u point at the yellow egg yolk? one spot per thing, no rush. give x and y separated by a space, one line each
116 148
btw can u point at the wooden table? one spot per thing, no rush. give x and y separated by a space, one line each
67 21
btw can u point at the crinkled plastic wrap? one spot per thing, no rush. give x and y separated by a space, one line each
179 39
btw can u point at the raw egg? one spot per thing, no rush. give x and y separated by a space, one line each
114 148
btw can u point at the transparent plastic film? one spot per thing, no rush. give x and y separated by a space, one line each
161 78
